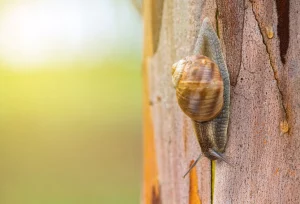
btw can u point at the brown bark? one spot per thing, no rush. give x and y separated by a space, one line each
261 45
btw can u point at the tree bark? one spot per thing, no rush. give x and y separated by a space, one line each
260 42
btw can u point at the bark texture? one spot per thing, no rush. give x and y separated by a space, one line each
261 44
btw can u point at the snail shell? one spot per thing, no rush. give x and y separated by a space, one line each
199 87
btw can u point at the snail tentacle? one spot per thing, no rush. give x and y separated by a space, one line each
192 166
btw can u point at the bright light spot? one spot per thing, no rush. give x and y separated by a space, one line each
35 32
31 32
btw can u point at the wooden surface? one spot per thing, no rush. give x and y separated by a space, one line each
261 45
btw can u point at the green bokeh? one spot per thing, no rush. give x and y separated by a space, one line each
71 134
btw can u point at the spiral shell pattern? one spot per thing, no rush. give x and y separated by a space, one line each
199 87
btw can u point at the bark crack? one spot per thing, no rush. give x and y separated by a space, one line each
274 69
217 22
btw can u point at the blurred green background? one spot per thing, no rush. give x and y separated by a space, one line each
70 102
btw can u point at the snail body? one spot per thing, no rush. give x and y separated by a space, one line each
199 91
203 92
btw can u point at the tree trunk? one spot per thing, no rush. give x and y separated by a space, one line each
260 42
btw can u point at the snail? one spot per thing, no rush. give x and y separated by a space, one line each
203 92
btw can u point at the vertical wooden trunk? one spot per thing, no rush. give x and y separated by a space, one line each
261 45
